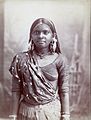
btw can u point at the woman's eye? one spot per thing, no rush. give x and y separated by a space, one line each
36 32
45 32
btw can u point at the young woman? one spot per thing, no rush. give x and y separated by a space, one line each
40 76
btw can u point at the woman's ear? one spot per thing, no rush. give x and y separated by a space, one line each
53 35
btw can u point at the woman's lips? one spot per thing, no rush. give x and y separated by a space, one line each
41 42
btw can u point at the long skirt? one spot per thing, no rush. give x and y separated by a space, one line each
50 111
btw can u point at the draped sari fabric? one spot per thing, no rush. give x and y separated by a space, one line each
35 86
42 90
38 85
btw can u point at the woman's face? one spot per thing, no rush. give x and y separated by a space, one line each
42 35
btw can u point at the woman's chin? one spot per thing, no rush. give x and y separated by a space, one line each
41 45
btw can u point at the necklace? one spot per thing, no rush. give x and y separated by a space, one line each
41 56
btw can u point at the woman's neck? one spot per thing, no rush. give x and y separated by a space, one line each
42 51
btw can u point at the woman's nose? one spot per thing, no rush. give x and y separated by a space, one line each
40 35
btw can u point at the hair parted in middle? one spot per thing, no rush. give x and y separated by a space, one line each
54 45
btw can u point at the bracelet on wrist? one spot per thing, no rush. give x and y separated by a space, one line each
13 116
64 116
65 113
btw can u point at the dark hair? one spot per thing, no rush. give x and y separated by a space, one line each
52 27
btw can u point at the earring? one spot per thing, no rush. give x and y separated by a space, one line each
31 45
53 45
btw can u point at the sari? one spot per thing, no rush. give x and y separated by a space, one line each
40 97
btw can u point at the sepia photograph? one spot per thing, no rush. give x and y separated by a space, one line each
45 60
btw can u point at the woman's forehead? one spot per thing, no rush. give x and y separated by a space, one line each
42 26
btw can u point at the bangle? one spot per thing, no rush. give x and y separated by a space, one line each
64 116
13 116
65 113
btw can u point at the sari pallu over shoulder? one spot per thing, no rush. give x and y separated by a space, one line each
34 82
40 89
36 88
